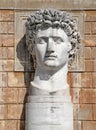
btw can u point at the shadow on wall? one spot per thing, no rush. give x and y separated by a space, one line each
27 62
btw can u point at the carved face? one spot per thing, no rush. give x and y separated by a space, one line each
51 48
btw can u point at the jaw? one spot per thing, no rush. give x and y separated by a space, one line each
51 68
52 71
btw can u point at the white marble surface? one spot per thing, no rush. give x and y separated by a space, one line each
52 51
55 42
66 126
50 112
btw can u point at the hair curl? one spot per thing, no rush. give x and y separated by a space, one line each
54 18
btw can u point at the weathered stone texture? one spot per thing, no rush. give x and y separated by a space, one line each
87 28
21 125
12 84
93 28
77 125
15 111
15 79
88 52
8 95
87 96
6 27
83 112
94 111
86 80
3 79
8 124
89 65
6 15
36 4
20 19
11 125
3 112
22 95
94 80
6 65
94 52
89 125
6 40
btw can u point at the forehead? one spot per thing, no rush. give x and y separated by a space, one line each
52 32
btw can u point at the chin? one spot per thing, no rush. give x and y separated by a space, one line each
51 65
54 65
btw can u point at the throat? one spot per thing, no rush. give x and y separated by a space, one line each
49 80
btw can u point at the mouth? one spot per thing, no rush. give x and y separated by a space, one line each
51 57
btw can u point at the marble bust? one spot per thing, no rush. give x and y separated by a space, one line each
52 39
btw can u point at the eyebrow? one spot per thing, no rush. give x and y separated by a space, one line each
50 36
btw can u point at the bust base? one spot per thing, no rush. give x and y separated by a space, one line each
49 112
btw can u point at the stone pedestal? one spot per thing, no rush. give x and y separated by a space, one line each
49 113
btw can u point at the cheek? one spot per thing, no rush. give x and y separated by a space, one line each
40 51
63 55
63 51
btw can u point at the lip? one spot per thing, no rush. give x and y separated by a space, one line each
51 57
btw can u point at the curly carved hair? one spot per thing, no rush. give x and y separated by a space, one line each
53 18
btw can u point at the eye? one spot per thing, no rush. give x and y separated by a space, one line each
45 39
42 40
58 40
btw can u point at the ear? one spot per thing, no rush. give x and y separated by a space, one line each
69 46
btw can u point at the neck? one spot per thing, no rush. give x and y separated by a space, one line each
51 79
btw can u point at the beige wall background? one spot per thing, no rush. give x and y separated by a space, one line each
14 82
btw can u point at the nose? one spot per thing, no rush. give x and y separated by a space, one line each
51 45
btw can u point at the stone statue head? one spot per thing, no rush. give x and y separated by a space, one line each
56 22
